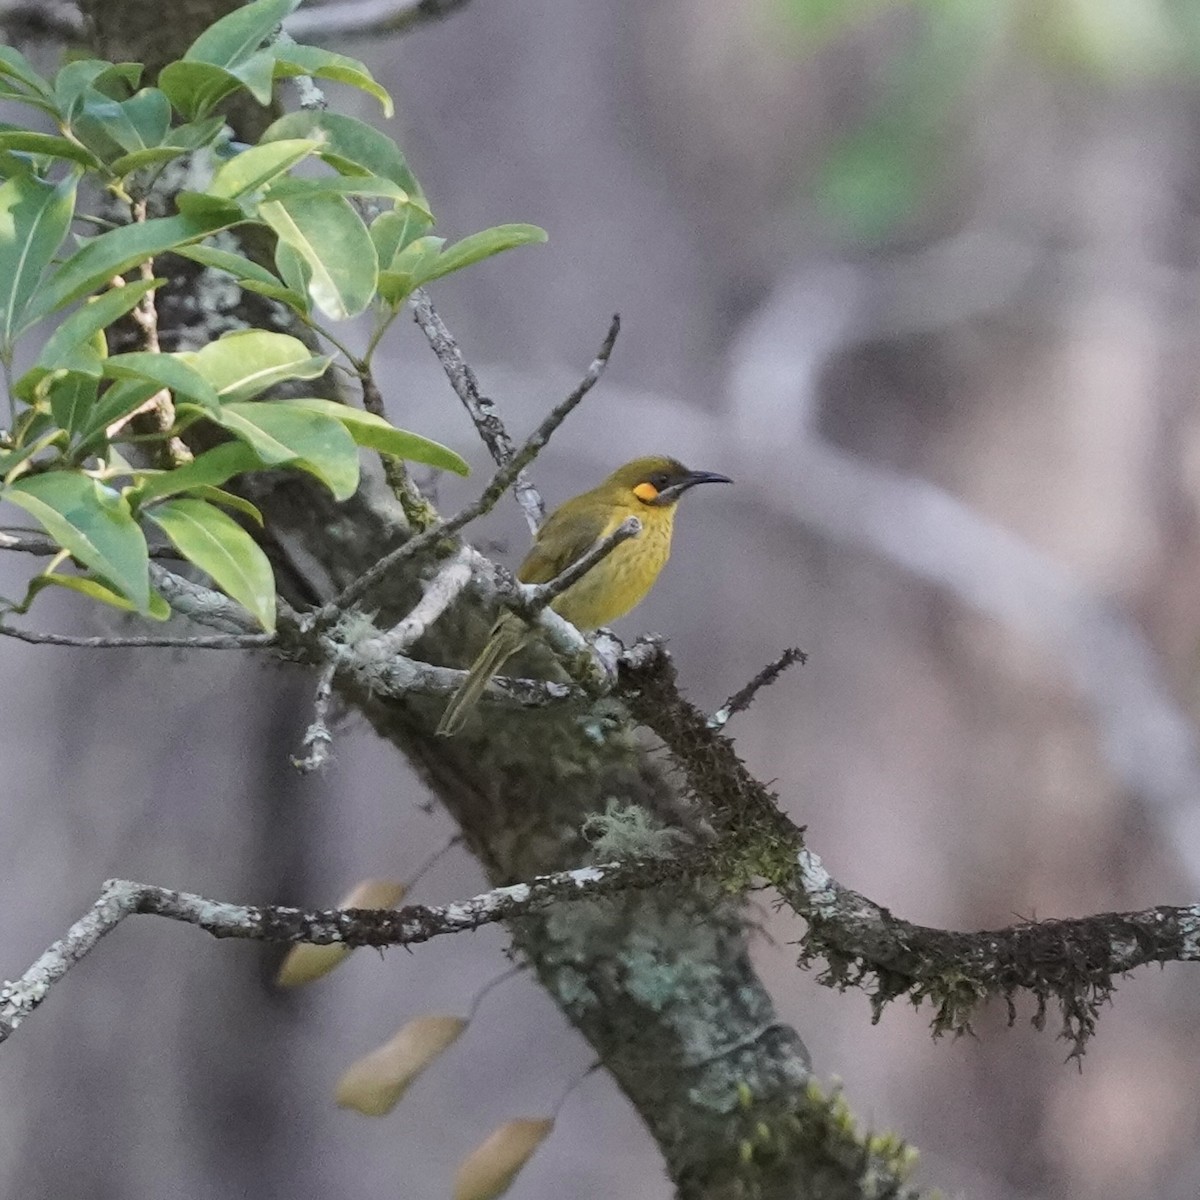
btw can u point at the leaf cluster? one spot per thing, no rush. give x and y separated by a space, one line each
350 227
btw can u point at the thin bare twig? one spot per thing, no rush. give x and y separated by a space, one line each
246 641
744 697
481 409
317 737
30 541
500 483
121 898
537 596
420 513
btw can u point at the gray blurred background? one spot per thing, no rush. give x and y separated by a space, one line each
923 278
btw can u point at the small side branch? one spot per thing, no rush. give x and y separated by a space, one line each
29 541
245 641
121 898
318 739
418 511
744 697
481 409
537 596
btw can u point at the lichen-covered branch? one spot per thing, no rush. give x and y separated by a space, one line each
244 641
121 898
1069 962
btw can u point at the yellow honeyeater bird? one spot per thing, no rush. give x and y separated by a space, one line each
647 488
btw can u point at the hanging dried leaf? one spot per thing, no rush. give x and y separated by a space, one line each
374 1084
304 964
489 1170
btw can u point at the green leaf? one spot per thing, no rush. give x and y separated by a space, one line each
33 386
482 245
11 461
158 609
212 210
298 302
248 361
391 231
291 58
93 523
253 169
213 467
114 80
167 371
15 66
126 164
31 426
237 265
114 252
249 275
8 92
193 134
337 185
376 434
352 147
257 75
90 318
195 88
13 164
47 144
409 267
235 38
217 544
139 123
219 496
331 238
34 219
313 442
72 398
114 405
295 271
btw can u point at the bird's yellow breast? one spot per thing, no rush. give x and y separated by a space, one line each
621 580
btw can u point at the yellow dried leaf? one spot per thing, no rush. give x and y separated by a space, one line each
304 964
374 1084
488 1171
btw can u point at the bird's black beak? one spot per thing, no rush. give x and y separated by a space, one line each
689 481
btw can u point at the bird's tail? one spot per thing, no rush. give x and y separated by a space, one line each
509 634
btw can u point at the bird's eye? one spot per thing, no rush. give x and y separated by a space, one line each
659 481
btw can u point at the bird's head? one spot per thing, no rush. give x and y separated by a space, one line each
658 480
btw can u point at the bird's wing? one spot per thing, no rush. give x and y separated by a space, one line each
567 535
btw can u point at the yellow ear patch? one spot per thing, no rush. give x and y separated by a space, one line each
646 491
